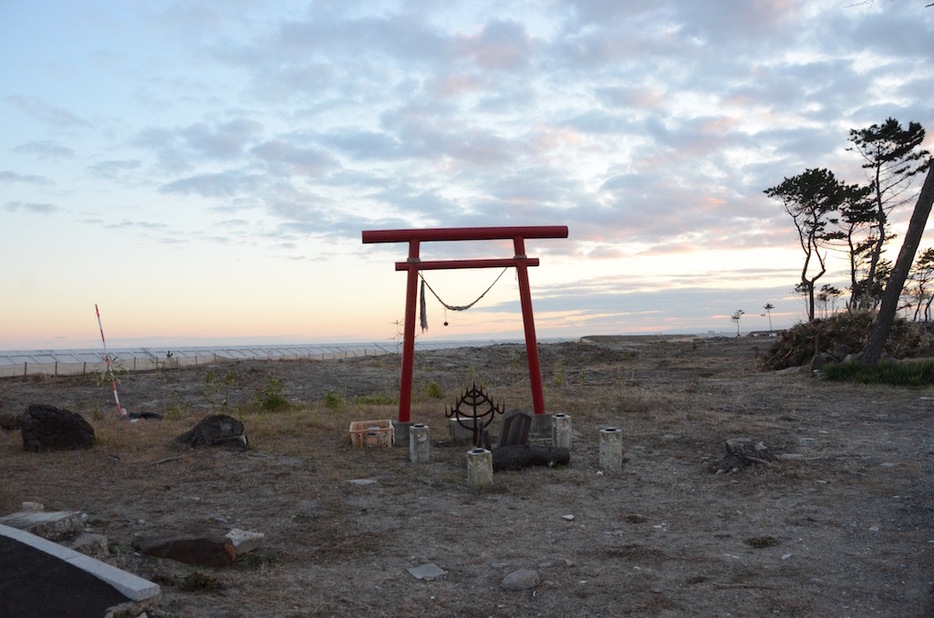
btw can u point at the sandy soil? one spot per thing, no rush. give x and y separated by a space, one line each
840 525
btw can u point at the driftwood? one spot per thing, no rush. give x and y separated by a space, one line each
742 452
524 455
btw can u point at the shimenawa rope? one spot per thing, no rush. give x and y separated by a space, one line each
423 311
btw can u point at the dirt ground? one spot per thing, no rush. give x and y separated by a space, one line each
841 524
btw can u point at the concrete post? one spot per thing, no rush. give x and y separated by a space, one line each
401 433
479 468
419 443
540 430
611 449
561 431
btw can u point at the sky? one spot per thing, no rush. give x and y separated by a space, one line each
202 171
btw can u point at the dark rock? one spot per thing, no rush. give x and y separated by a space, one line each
215 430
201 549
821 359
519 456
47 428
841 351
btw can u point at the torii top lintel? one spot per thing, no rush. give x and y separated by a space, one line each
465 233
414 237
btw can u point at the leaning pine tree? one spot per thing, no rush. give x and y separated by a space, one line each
906 256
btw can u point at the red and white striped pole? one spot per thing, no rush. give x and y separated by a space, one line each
120 411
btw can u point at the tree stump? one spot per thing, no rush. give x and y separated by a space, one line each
47 428
515 457
742 452
215 430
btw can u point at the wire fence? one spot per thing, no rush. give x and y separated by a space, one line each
75 362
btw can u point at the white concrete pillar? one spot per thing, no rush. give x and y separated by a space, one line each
479 468
561 430
611 449
419 443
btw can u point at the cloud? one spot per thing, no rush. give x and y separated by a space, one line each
500 45
282 154
32 207
44 112
30 179
45 150
221 141
146 225
214 185
114 168
177 147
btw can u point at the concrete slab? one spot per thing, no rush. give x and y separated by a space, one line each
54 525
131 586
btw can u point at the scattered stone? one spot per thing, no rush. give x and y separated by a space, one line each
362 482
742 452
51 525
215 430
553 563
523 579
33 507
47 428
428 571
567 517
205 549
245 542
90 544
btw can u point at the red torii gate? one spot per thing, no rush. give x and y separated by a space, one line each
414 264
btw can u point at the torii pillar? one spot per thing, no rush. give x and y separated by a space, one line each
414 264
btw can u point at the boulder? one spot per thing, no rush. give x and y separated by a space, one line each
47 428
215 430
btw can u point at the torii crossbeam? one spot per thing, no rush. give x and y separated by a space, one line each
413 264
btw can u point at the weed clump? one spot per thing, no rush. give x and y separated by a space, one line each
272 399
913 374
334 400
